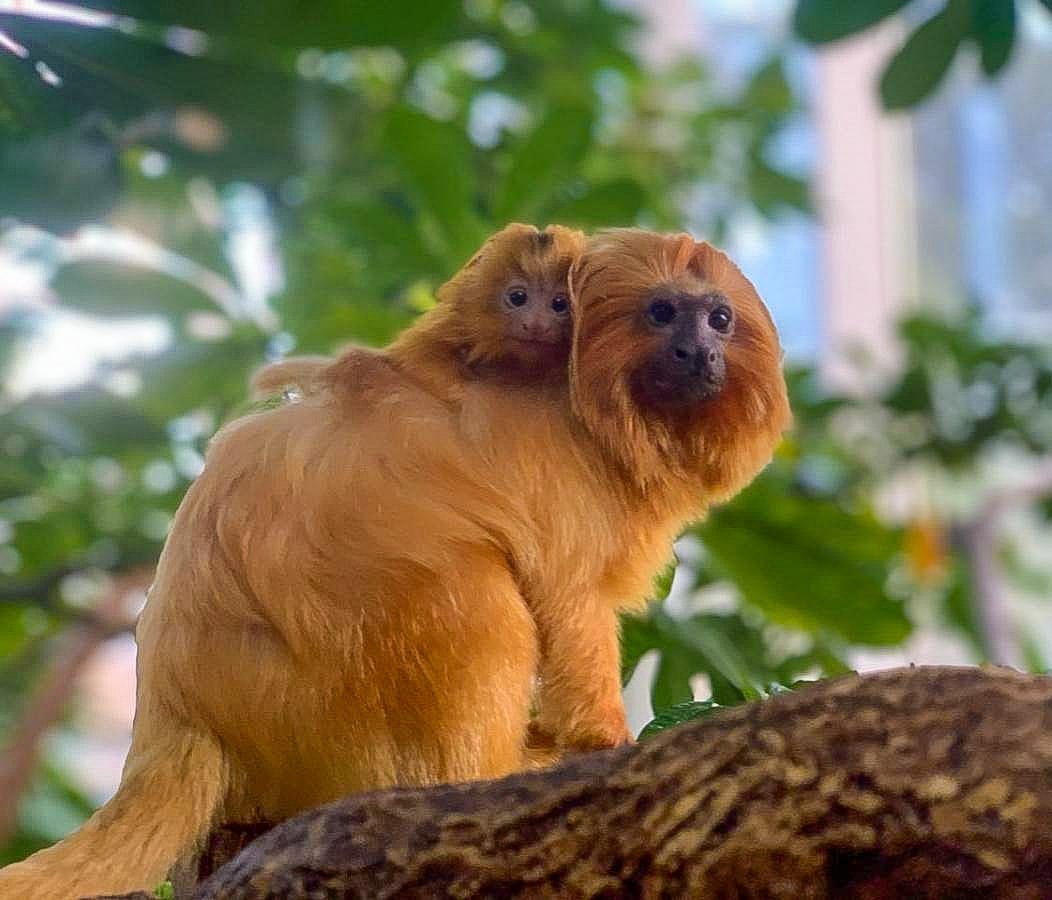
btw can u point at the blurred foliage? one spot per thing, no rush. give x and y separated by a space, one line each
964 392
369 149
929 49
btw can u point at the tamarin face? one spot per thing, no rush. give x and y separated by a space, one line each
690 325
512 298
536 313
673 340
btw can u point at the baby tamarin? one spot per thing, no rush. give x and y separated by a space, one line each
361 586
504 316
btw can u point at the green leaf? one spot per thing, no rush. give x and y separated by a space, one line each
807 563
61 179
1033 578
616 202
663 583
722 655
769 91
392 238
549 153
830 663
1033 655
49 810
287 23
677 715
89 421
436 162
722 647
1046 3
678 664
193 374
771 189
821 21
960 611
638 635
920 64
112 289
994 29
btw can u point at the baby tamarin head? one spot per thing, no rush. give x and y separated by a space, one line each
510 303
504 315
676 362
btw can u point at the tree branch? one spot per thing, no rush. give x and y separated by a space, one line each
920 782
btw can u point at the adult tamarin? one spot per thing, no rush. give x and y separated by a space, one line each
676 400
361 586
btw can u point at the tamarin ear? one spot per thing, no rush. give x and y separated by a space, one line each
509 231
683 252
494 247
713 265
709 263
573 276
580 271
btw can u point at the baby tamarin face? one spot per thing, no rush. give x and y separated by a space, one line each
536 314
512 300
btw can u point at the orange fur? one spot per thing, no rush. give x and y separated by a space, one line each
361 586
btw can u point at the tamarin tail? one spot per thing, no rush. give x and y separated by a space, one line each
166 803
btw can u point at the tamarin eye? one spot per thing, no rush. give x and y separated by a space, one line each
560 304
518 297
661 312
720 318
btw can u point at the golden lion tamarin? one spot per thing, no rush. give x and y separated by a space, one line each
361 586
505 316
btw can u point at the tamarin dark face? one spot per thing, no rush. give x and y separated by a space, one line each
690 328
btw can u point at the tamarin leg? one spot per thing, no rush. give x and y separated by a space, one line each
580 668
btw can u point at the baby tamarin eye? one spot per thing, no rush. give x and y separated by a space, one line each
560 304
518 297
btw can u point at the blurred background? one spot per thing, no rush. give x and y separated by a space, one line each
189 189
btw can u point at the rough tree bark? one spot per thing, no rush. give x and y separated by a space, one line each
914 783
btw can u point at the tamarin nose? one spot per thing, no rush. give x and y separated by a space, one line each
697 359
533 330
